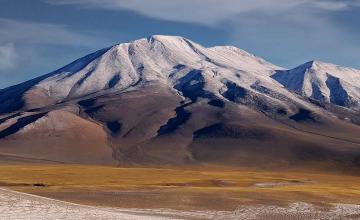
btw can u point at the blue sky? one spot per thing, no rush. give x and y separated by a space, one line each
39 36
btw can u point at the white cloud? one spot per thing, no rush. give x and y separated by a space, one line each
8 56
207 12
332 5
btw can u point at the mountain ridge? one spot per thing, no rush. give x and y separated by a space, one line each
171 43
168 100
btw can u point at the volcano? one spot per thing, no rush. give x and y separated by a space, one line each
166 100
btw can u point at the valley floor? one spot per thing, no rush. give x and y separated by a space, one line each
22 206
183 193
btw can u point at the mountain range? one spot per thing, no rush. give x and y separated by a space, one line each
166 100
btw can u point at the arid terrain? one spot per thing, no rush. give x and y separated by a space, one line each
211 189
163 123
165 100
174 187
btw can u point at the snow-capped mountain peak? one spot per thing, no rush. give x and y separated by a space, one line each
167 99
324 82
171 61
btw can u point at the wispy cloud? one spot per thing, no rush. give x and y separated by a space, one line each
207 12
293 38
42 33
285 31
335 5
331 5
28 38
8 56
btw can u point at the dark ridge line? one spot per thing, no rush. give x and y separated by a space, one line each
128 132
181 117
114 80
338 95
314 133
88 105
217 103
140 71
91 110
259 100
87 102
281 111
207 130
328 136
36 109
179 66
317 134
234 91
219 130
316 93
309 132
193 92
2 120
82 80
136 83
238 95
21 122
30 158
303 115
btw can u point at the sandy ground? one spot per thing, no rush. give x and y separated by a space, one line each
22 206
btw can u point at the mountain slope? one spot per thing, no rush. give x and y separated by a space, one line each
324 82
168 100
127 65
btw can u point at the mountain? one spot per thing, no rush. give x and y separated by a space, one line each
166 100
324 82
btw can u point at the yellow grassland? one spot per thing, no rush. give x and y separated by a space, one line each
235 185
